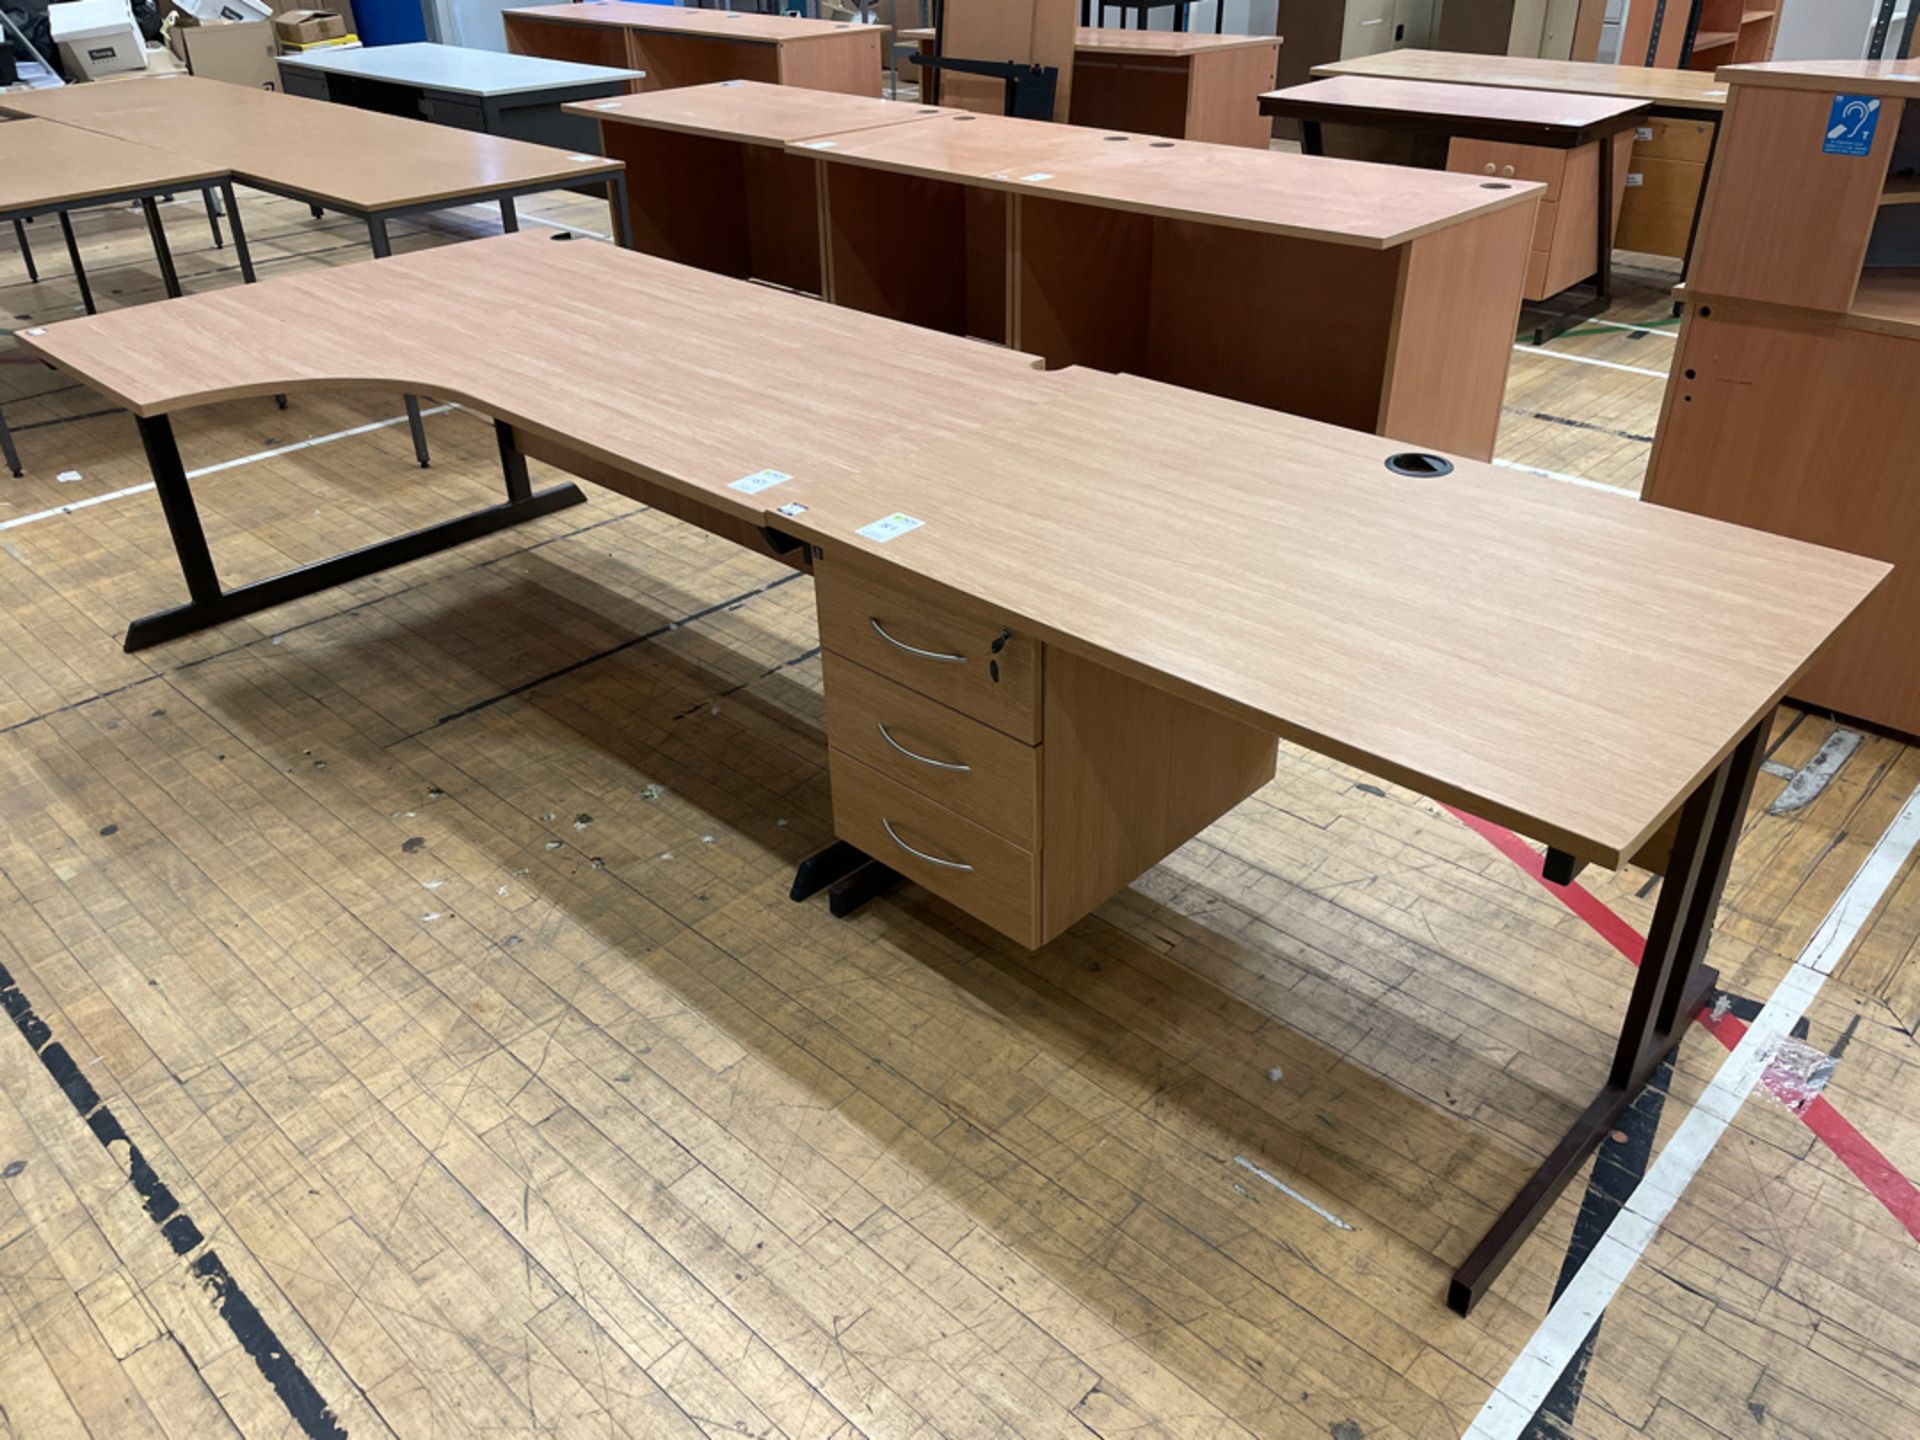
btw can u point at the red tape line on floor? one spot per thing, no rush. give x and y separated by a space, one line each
1873 1169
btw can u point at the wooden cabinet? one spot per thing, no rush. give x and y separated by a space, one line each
1790 403
1019 782
1664 179
1566 233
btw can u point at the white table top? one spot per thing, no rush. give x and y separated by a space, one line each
457 68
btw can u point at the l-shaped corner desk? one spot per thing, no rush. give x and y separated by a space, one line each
683 46
1369 296
1065 620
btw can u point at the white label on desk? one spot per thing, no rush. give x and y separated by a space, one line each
586 159
1645 132
1635 179
816 144
608 105
793 510
1037 177
760 480
36 330
893 526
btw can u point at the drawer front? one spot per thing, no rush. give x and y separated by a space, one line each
991 878
1673 140
1656 212
1509 162
1544 224
1537 275
962 657
980 774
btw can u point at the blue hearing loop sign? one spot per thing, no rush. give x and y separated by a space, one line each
1851 123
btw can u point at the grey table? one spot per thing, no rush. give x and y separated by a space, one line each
518 96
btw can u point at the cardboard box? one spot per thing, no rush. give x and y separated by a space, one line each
97 37
205 11
343 42
240 53
308 27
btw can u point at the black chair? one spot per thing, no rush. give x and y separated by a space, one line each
1094 12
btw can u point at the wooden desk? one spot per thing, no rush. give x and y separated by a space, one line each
49 169
1790 399
1673 147
1577 145
1159 82
1322 287
1022 716
695 47
518 96
374 167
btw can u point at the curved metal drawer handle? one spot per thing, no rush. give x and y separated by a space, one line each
881 726
887 825
942 656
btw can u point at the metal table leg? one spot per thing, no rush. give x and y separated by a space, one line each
26 251
213 218
7 452
1693 225
382 247
622 217
1311 142
209 604
1603 283
158 232
242 252
509 215
1674 982
79 267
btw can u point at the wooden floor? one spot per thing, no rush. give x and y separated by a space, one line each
415 1039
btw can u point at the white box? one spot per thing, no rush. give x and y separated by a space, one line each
97 37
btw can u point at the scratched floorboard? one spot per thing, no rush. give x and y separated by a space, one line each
428 941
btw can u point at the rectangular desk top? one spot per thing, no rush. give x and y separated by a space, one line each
755 112
357 159
1551 116
1885 78
1340 202
1438 630
457 69
42 163
1093 40
718 24
1694 90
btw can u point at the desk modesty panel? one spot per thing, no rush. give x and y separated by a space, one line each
1368 296
1022 716
678 46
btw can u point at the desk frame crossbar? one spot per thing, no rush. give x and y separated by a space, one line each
1673 984
210 604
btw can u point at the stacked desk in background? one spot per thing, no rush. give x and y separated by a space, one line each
1161 82
694 47
1673 146
1064 616
1576 145
1377 298
518 96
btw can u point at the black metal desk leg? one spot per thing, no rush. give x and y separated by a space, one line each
1603 284
1672 984
79 267
7 452
509 215
213 218
168 276
242 252
1310 140
1693 225
512 463
26 251
176 499
622 217
382 247
209 605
